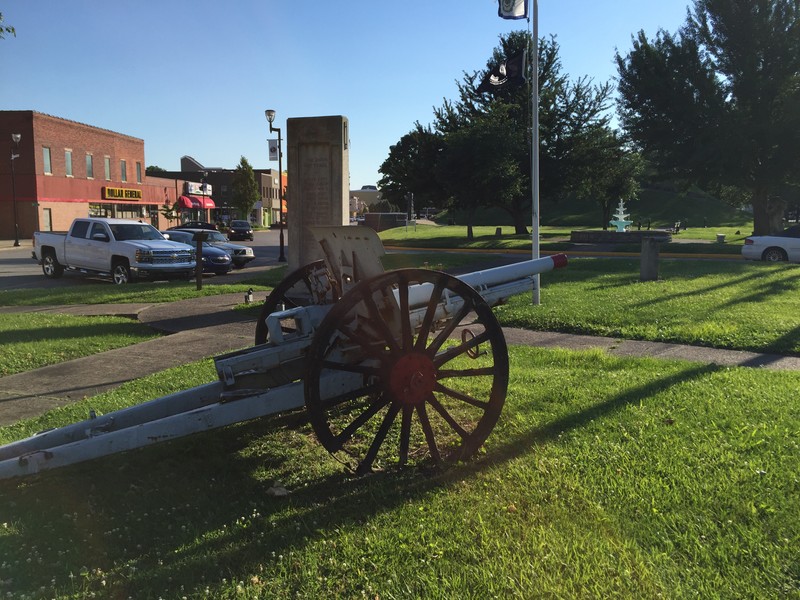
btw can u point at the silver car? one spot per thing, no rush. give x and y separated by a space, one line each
774 248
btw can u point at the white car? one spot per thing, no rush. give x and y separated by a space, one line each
774 248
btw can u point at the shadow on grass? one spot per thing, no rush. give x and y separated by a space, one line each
70 332
175 517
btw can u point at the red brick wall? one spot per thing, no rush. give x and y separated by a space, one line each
69 197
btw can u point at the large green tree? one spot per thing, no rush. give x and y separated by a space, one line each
245 192
718 103
409 168
476 167
572 116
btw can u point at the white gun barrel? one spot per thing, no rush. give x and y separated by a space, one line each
418 295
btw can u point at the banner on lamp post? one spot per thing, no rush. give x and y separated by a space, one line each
513 9
273 149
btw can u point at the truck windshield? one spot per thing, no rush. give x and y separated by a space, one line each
135 231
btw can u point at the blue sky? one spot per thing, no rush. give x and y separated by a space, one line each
194 76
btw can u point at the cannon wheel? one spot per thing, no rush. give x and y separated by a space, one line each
410 392
296 289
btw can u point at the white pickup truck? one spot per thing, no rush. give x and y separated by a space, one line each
121 249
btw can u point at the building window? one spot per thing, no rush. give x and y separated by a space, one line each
108 168
123 171
138 172
68 163
48 167
89 167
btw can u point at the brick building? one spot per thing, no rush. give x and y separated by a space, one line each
63 169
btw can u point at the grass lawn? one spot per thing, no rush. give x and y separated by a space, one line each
133 293
691 241
604 477
34 340
746 306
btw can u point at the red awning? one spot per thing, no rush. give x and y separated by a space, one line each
196 202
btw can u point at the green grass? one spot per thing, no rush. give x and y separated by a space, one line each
134 293
746 306
692 241
605 477
34 340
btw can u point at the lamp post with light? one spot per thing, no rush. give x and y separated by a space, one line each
203 192
15 138
271 117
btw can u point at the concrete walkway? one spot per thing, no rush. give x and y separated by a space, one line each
207 327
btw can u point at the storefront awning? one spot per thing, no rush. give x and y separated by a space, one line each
196 202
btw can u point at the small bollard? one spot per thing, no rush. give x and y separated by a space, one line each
649 260
720 238
248 297
498 232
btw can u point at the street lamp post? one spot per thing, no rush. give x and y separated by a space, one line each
203 192
271 117
15 138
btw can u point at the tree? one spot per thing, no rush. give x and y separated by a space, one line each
718 104
154 170
476 168
484 137
609 171
571 114
4 29
169 212
245 189
411 166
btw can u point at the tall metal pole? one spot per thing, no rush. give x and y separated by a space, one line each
281 256
203 191
535 149
15 138
271 117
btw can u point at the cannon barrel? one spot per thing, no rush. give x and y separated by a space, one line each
498 276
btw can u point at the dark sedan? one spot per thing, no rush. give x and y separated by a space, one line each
240 230
194 225
240 255
215 260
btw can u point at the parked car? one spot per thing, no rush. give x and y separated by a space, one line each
241 230
241 255
194 225
774 248
215 260
121 249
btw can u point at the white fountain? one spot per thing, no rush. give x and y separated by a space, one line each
620 221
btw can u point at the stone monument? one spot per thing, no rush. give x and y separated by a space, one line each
318 187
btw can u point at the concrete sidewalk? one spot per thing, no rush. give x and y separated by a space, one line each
208 326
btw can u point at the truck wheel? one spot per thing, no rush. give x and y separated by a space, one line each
122 272
51 267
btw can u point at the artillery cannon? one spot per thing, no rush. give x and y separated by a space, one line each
392 367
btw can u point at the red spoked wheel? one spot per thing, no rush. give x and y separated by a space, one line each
302 287
394 379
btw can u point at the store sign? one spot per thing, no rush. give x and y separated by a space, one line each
110 193
197 189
